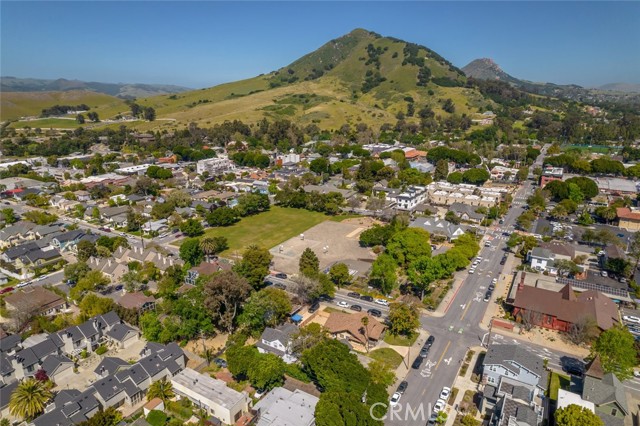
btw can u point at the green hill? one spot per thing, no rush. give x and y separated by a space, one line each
361 77
14 105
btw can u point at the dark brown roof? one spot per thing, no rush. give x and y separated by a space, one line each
567 307
208 268
134 300
34 297
340 322
594 368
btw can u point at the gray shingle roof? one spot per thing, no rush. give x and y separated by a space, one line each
5 393
606 391
52 362
111 365
9 342
119 332
512 357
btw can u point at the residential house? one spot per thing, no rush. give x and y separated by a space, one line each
607 394
560 310
515 362
559 251
137 301
35 300
36 258
110 365
88 335
61 203
212 395
542 259
501 173
13 234
123 335
127 386
114 214
349 327
445 193
512 402
278 341
283 407
466 212
66 240
113 269
41 232
206 268
439 227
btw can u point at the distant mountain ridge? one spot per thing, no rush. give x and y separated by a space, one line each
121 90
621 87
487 69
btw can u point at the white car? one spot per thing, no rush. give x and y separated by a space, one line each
472 270
394 399
604 273
631 318
382 302
343 304
444 394
636 373
494 281
23 284
439 406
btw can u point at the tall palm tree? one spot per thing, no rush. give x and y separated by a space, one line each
162 389
208 246
365 326
29 399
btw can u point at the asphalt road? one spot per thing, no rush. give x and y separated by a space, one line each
457 330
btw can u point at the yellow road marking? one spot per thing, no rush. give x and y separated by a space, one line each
443 353
465 310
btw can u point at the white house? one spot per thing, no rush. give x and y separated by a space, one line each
277 341
212 395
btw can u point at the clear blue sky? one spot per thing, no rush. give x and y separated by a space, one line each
200 44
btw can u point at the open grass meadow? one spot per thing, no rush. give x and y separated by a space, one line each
267 229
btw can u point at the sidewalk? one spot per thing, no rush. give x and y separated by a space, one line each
501 290
409 353
463 384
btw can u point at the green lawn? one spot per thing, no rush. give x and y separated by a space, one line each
268 229
400 340
558 381
387 355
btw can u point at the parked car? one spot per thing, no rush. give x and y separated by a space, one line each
325 298
574 370
429 341
604 273
220 362
487 244
417 363
402 387
280 286
394 399
424 352
314 307
382 302
374 313
444 394
487 296
6 290
494 281
354 294
119 287
343 304
432 419
356 308
281 275
491 287
631 318
439 406
366 298
23 284
472 270
259 393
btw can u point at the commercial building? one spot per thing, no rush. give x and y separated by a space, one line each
215 166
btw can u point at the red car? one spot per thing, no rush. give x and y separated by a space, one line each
6 290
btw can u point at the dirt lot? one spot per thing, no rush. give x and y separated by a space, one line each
331 241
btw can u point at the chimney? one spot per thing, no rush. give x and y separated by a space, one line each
521 285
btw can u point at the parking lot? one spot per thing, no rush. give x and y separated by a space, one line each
331 241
